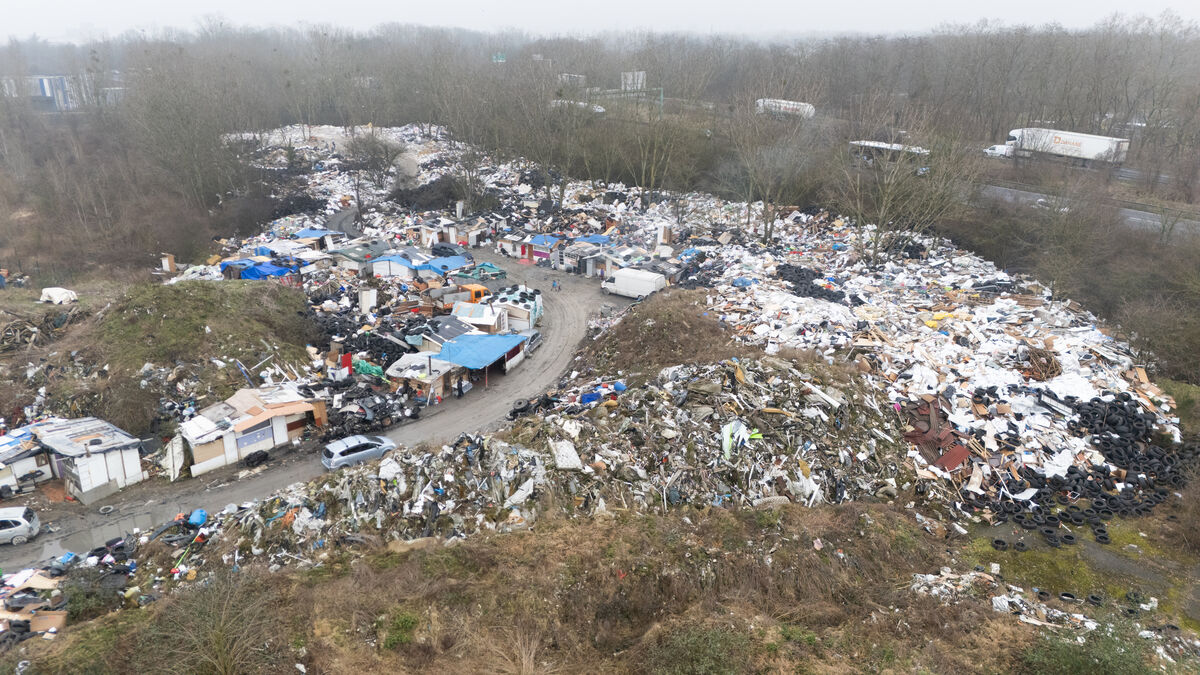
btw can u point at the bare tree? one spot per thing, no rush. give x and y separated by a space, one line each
896 189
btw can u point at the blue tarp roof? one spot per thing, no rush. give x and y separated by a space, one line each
264 270
478 351
594 239
447 264
544 240
312 233
256 270
397 259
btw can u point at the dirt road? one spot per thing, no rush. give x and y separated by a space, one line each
147 505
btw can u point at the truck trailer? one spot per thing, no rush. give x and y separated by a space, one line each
782 108
1069 144
633 283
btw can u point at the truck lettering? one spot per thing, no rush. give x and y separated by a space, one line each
1058 140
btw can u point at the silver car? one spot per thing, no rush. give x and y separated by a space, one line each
354 450
18 524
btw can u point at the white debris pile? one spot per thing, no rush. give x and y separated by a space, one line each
1040 607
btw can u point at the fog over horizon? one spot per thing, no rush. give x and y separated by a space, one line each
78 21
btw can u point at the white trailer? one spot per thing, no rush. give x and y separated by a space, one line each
1085 147
782 108
633 283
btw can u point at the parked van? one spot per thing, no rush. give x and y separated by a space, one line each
633 283
18 524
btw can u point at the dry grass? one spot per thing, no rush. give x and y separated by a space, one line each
700 590
1186 526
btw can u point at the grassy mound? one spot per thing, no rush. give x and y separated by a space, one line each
670 328
97 367
697 591
199 320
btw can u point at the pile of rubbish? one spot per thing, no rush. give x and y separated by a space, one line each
750 434
1043 607
34 604
26 332
1009 400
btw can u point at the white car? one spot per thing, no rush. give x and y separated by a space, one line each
1047 205
354 450
998 151
18 524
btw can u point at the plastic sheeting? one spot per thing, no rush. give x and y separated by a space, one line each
479 351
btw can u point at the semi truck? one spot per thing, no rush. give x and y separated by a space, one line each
633 283
1069 144
782 108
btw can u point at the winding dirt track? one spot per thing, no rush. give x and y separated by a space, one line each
564 326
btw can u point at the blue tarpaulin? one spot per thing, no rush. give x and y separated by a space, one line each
742 282
447 264
544 240
253 270
594 239
236 263
264 270
479 351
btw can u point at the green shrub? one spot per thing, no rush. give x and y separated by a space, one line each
1100 652
799 635
399 630
86 598
695 650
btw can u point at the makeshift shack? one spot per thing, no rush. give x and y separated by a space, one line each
512 245
360 256
92 457
438 331
21 456
427 374
394 266
478 352
522 304
487 318
580 257
542 245
249 421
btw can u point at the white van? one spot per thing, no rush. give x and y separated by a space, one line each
633 283
998 151
18 524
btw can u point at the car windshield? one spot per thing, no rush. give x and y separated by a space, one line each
27 514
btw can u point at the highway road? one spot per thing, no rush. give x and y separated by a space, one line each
1134 218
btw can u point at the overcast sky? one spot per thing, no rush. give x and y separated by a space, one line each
62 20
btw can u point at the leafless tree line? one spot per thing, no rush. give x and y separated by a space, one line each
130 169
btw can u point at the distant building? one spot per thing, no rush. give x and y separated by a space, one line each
62 93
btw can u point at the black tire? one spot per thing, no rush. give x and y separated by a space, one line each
521 405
